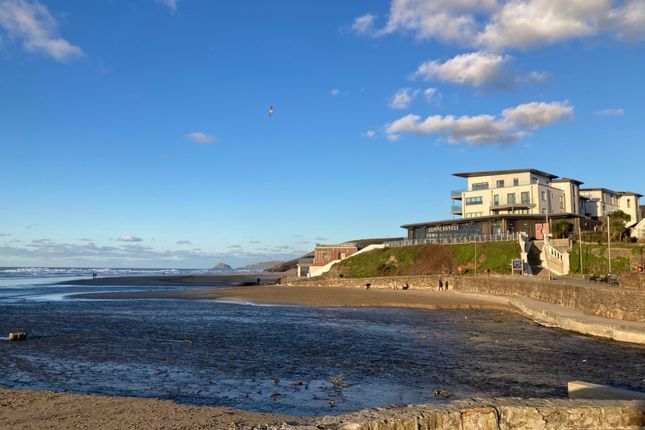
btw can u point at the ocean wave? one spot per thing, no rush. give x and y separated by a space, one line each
47 272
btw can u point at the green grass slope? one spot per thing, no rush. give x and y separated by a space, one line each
430 259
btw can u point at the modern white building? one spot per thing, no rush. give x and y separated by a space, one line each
528 191
501 203
599 202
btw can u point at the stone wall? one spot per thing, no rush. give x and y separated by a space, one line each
604 301
592 299
497 414
633 280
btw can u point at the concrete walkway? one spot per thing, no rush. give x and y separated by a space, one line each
551 315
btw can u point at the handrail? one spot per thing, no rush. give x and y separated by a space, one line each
503 237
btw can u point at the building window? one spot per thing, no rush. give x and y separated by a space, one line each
525 198
326 255
495 229
500 183
534 180
543 210
496 200
628 203
544 196
510 198
561 202
516 182
474 200
480 186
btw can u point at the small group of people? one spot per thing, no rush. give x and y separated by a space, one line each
405 286
443 286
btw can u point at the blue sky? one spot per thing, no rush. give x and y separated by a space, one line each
136 133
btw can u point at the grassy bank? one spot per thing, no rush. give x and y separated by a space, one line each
624 257
431 259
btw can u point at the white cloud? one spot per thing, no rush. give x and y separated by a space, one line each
496 25
335 92
431 94
533 22
184 242
201 137
477 69
628 21
610 112
364 24
129 238
511 125
369 134
403 97
453 20
171 4
33 24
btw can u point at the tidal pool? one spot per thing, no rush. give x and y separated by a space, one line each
296 360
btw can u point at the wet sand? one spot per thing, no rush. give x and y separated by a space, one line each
183 280
319 297
33 410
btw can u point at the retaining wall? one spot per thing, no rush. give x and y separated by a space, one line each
595 299
497 414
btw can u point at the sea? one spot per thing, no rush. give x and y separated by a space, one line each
284 359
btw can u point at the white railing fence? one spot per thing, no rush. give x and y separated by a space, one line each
505 237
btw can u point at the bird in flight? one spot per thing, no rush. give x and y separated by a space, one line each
271 110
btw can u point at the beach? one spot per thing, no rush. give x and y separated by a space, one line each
318 297
163 351
35 410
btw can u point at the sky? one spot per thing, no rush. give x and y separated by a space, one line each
136 133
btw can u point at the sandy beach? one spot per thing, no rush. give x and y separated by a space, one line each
182 280
319 297
35 410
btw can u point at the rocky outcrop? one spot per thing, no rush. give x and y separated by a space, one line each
223 267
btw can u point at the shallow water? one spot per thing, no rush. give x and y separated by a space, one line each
283 359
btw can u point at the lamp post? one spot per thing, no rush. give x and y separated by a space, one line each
582 271
608 244
547 246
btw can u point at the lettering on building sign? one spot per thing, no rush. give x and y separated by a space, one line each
441 228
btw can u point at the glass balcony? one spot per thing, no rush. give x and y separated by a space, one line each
456 210
456 194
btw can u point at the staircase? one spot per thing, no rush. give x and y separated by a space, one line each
525 249
554 259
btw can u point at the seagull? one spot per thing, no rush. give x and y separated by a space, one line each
271 110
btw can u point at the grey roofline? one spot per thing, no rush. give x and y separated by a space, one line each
620 193
575 181
503 172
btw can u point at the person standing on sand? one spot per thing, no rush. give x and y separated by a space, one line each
259 281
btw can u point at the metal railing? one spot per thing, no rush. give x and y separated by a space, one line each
503 237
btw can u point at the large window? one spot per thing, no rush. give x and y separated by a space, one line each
474 201
496 200
526 199
516 182
480 186
510 198
500 183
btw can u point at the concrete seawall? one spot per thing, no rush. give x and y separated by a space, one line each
497 414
